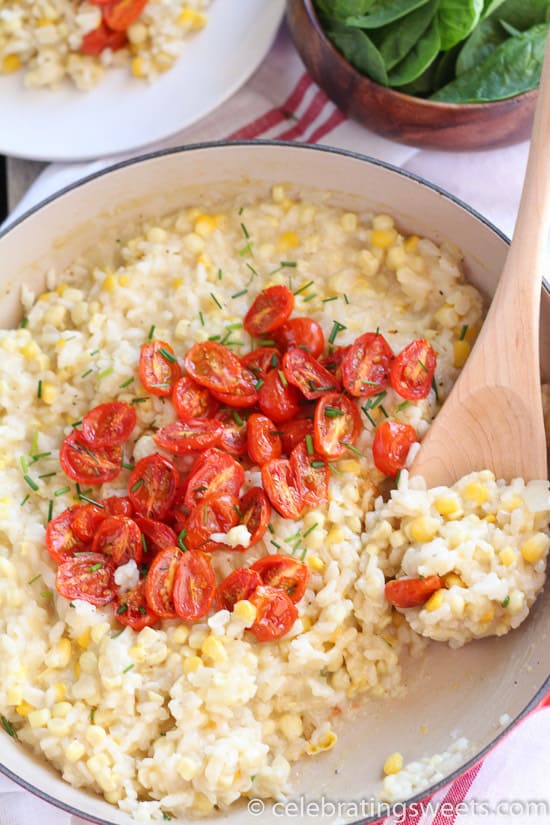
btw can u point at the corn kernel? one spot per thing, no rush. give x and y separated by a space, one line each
138 67
315 564
435 601
383 238
109 283
490 518
205 260
335 535
61 709
95 735
349 465
99 631
214 649
24 708
60 655
84 639
472 333
534 548
453 580
180 635
187 768
49 393
476 492
97 763
194 19
14 695
137 33
137 653
325 743
278 194
191 664
512 504
423 528
393 763
488 616
507 556
245 611
411 243
306 623
177 282
124 280
205 225
447 506
288 241
291 725
30 350
397 619
461 351
11 63
348 221
88 662
59 727
39 718
74 751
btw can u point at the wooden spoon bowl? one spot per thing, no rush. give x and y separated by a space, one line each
402 117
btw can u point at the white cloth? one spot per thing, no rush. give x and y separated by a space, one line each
281 102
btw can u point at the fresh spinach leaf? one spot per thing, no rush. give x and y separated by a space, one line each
522 14
382 13
400 37
418 59
361 52
511 30
483 40
444 67
340 9
490 6
512 68
456 20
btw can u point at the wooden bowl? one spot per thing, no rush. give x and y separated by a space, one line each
407 119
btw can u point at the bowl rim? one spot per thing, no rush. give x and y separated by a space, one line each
422 102
541 692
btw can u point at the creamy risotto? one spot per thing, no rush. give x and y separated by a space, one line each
189 716
50 40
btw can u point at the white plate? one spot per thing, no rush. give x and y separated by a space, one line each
122 113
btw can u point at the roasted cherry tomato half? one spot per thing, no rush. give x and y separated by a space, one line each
86 520
284 573
193 401
216 515
413 370
255 512
120 538
234 432
152 486
269 310
366 365
275 613
61 542
121 14
301 332
215 367
96 41
312 474
213 474
117 506
306 373
337 423
264 443
391 445
278 399
411 592
239 585
108 424
159 584
88 577
194 587
157 536
281 485
261 360
333 362
293 432
158 368
89 465
131 608
189 436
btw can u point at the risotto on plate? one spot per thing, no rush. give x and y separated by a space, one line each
210 546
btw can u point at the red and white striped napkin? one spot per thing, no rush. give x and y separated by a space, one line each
281 102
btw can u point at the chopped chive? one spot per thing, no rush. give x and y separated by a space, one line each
237 325
259 384
122 609
34 445
319 389
24 322
302 288
316 464
277 432
50 509
402 406
366 383
166 816
383 411
251 268
365 409
333 412
135 487
62 491
434 388
275 544
167 355
289 263
87 373
506 602
24 501
293 536
127 466
144 544
181 540
327 300
270 528
463 332
139 400
266 342
214 337
76 423
126 383
310 529
126 669
282 378
241 210
215 300
336 328
151 332
234 343
39 390
72 604
8 727
205 515
346 299
142 610
37 456
31 483
237 419
24 465
296 546
220 274
303 555
238 294
238 510
309 444
397 477
118 633
47 594
105 373
376 400
95 567
245 231
143 570
201 316
47 475
351 447
34 579
423 365
92 715
94 352
246 250
310 297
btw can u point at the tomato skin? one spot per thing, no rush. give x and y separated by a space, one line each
284 573
293 432
281 486
78 578
121 14
234 436
157 536
238 585
89 466
333 362
120 538
189 436
194 587
61 541
275 614
261 360
131 608
213 366
413 370
117 506
159 584
391 445
158 373
152 486
301 332
216 515
411 592
278 402
312 480
255 514
366 365
193 401
329 432
213 474
306 373
270 309
86 520
95 41
263 442
108 424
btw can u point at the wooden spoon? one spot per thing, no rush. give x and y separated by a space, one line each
493 417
